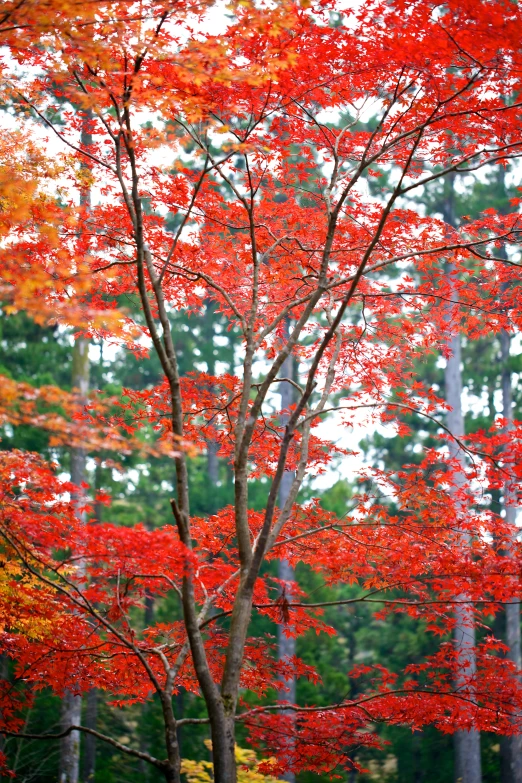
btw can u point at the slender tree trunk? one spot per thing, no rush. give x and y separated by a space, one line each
511 747
286 643
91 701
467 743
222 721
212 445
72 704
223 750
212 458
70 745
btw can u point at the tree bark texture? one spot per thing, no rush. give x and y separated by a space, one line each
70 745
467 743
511 747
72 704
286 643
212 445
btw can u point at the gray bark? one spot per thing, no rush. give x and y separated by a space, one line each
286 644
70 745
467 743
72 704
212 445
511 747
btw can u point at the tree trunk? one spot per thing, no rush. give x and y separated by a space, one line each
91 701
212 445
285 643
72 704
171 775
467 743
225 768
70 745
511 747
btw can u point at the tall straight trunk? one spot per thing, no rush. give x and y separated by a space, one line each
212 464
286 643
511 747
72 703
91 700
467 743
70 745
212 445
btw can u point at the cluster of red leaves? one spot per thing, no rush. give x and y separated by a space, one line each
325 739
78 586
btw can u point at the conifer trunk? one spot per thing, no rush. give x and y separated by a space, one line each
467 743
70 745
72 703
212 445
511 747
286 644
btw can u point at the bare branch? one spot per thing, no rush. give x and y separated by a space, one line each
139 754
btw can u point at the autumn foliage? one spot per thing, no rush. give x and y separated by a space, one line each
269 168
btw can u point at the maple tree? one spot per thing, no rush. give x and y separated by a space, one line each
233 168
